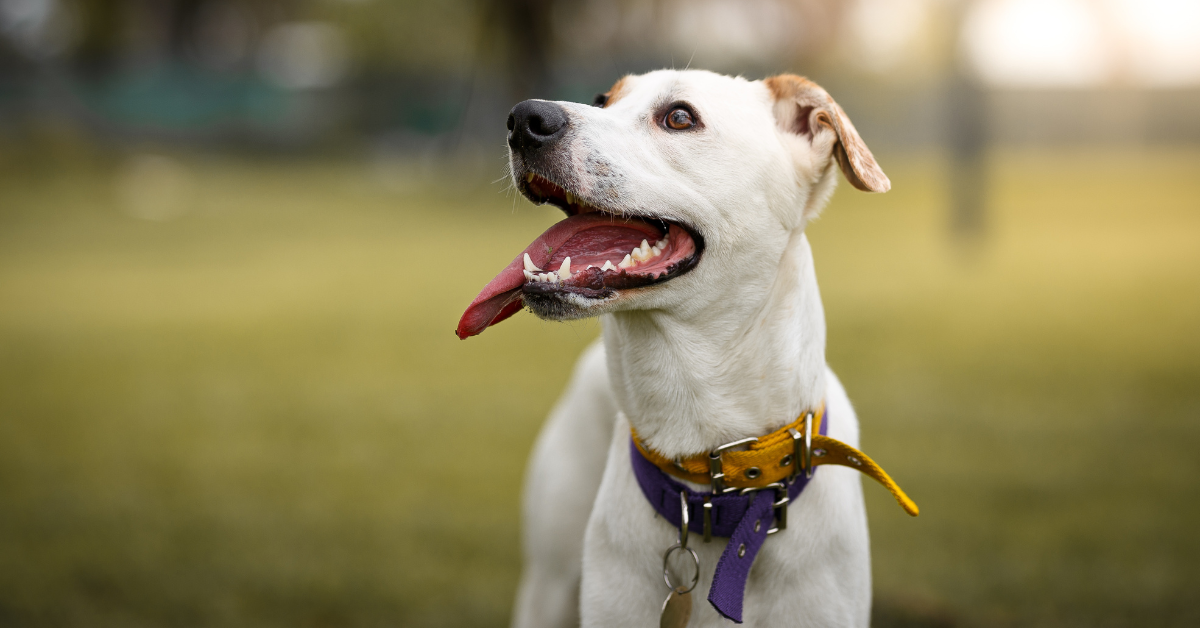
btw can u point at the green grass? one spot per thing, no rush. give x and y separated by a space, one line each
257 413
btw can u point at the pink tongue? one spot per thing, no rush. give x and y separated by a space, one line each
501 298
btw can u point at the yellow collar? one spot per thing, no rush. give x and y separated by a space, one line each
778 456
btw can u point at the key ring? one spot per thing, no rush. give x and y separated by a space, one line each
681 545
667 571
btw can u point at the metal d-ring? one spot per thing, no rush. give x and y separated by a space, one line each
808 468
683 519
803 451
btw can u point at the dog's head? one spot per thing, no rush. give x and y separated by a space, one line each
678 186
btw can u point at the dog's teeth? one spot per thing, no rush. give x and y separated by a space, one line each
529 264
608 265
589 267
626 263
564 271
642 253
570 198
660 246
528 275
529 177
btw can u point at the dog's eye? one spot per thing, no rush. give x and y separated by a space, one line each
600 100
680 119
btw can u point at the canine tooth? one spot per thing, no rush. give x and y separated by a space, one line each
529 264
608 265
626 263
564 271
570 198
528 275
529 177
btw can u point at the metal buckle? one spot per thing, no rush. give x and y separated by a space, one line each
779 505
715 473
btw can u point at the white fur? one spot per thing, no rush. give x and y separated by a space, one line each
734 348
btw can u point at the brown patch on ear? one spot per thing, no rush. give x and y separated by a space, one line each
801 106
618 90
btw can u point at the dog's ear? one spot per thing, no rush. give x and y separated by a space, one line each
803 108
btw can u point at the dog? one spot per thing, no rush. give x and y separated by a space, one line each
687 194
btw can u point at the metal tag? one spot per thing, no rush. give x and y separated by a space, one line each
677 609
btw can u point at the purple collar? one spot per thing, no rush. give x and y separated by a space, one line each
745 519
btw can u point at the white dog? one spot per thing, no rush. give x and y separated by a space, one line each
687 195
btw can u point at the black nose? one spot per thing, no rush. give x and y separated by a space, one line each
535 123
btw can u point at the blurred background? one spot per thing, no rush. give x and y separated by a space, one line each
236 236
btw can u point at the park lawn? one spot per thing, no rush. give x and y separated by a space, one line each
256 413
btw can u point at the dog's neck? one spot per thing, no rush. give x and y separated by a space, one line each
744 366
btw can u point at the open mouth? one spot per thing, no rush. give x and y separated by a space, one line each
590 254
